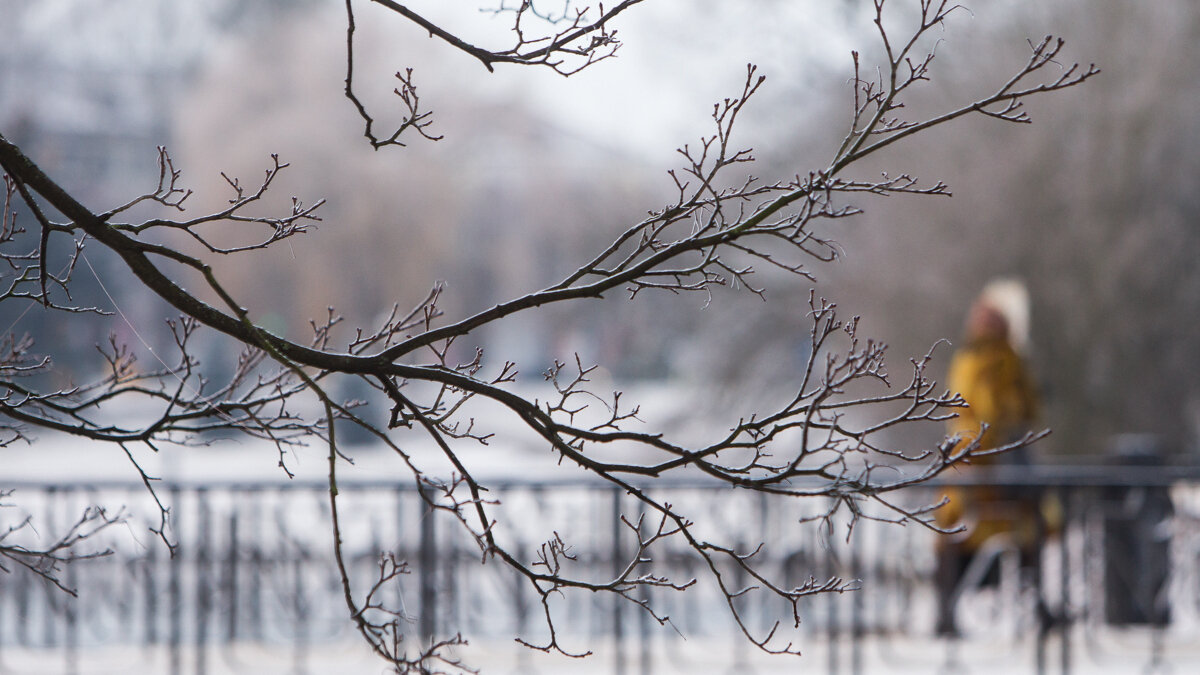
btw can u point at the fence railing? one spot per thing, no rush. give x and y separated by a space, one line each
253 581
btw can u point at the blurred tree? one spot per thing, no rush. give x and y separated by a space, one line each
91 107
1093 208
424 365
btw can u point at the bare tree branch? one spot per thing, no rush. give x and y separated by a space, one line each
720 223
47 561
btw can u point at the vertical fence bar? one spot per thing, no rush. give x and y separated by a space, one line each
831 599
857 628
617 626
644 628
49 634
300 609
428 576
71 616
1065 498
174 590
149 570
3 615
404 545
1041 611
22 605
231 574
254 609
202 589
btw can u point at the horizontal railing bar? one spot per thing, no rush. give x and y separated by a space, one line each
1037 475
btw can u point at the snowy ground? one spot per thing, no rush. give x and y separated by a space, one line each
1115 654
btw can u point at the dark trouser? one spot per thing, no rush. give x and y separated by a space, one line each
952 561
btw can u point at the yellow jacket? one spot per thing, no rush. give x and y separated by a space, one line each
992 379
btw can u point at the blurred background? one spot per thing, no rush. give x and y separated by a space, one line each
1093 208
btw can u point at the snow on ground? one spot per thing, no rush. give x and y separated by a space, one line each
1116 654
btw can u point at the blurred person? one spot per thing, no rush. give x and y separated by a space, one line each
1002 407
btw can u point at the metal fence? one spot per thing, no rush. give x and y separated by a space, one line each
253 582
